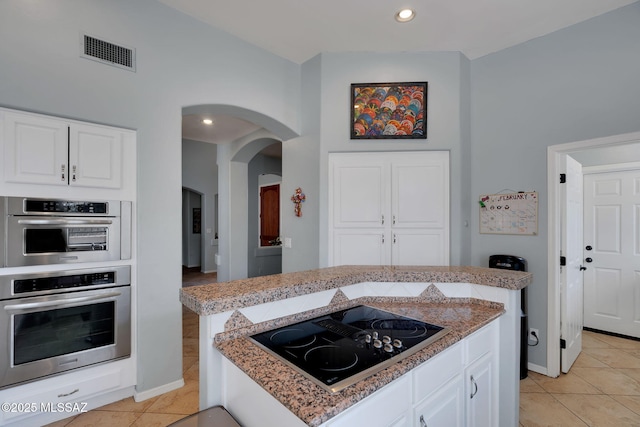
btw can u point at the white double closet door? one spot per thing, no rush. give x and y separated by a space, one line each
612 251
389 208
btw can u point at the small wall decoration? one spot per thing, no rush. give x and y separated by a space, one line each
389 110
297 198
509 213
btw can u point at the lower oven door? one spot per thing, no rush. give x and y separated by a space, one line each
53 334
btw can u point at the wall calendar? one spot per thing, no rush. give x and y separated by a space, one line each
509 213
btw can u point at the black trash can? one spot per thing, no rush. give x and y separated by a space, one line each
512 262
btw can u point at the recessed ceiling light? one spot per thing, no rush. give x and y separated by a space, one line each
207 121
405 15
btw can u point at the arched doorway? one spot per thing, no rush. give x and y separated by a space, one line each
232 160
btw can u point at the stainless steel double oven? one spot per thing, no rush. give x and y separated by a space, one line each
54 320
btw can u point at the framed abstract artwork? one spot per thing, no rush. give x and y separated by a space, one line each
389 110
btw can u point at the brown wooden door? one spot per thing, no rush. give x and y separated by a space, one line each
269 213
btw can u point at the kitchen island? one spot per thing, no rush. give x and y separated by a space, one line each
263 303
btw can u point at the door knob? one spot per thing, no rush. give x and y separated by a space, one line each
589 259
589 247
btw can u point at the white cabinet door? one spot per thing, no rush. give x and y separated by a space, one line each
359 186
35 149
356 246
405 195
95 156
420 246
480 393
444 408
420 191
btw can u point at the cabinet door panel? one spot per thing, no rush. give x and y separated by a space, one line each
35 149
480 393
95 156
360 247
419 247
359 196
444 408
420 191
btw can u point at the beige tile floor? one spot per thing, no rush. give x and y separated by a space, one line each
602 389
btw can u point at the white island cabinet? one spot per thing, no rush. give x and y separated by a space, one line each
235 304
457 387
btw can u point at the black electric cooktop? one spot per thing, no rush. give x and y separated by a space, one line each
341 348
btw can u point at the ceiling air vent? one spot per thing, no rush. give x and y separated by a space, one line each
108 53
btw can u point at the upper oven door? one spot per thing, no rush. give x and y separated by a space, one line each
41 240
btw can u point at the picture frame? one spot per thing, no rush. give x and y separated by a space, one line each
197 220
389 110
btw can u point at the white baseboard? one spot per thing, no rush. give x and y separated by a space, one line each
537 368
157 391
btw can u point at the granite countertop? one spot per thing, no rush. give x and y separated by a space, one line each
221 297
312 404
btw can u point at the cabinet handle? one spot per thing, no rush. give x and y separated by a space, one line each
62 178
383 239
475 385
382 222
394 238
423 423
73 173
69 394
394 219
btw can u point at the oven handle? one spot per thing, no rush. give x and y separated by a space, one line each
64 221
59 303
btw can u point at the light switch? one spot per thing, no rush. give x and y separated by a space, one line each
287 242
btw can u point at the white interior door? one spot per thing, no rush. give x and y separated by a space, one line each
571 277
612 231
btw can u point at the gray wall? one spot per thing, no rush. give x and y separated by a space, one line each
180 62
574 84
301 168
200 174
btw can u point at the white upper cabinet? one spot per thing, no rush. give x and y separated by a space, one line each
389 208
420 187
35 149
360 191
39 149
95 156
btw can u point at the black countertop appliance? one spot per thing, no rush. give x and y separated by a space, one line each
512 262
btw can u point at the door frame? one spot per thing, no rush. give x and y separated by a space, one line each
554 158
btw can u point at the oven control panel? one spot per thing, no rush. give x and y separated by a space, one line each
34 284
21 286
63 206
